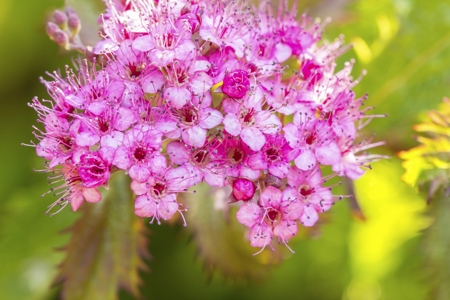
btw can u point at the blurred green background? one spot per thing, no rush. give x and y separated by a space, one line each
405 47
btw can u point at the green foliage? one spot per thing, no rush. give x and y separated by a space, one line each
221 240
106 248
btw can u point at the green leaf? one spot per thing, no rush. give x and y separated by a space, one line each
221 241
106 249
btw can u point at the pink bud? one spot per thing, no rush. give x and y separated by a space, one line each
51 28
59 17
73 22
60 37
236 84
243 189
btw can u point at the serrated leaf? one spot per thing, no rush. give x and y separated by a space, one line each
106 249
221 241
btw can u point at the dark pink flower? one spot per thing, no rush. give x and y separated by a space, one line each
236 84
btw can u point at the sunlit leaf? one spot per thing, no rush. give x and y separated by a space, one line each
106 249
437 249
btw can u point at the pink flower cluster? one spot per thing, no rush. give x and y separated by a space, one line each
180 92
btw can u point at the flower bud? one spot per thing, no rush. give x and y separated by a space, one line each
59 17
74 22
51 28
243 189
236 84
271 180
60 37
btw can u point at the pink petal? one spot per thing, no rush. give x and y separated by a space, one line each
260 236
139 188
282 52
168 207
107 153
293 210
105 46
328 155
74 101
210 118
249 214
153 82
306 160
230 106
125 118
87 138
309 217
161 57
144 207
270 197
280 169
177 97
143 43
285 230
76 200
97 108
139 173
157 164
232 124
177 152
92 195
113 140
194 136
257 161
201 83
253 138
183 50
122 159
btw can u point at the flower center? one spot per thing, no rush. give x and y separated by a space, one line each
248 116
140 153
189 116
103 125
158 190
272 154
310 138
200 156
236 155
305 190
134 71
65 143
273 215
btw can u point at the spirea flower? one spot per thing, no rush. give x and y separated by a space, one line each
180 92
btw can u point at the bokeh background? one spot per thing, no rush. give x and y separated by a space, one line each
379 252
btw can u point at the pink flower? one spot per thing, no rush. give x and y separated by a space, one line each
236 84
275 156
273 216
250 122
139 153
157 197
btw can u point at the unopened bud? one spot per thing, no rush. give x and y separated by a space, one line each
59 17
51 28
60 37
74 22
243 189
271 180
